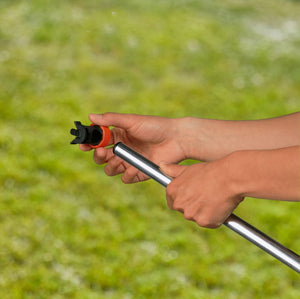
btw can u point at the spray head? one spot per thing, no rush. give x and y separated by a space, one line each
93 135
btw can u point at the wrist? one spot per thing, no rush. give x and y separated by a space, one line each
241 172
190 137
235 173
203 139
269 174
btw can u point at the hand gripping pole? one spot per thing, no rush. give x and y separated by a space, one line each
283 254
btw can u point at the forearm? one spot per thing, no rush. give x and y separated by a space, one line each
269 174
208 139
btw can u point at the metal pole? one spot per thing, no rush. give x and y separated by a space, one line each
283 254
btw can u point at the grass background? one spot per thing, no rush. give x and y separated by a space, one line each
67 230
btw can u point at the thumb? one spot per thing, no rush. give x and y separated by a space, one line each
124 121
172 170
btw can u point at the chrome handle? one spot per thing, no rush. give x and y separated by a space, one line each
249 232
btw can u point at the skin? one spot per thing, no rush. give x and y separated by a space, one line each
207 193
259 158
154 137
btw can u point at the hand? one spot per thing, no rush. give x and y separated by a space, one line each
202 192
156 138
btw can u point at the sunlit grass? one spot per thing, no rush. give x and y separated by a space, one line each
67 230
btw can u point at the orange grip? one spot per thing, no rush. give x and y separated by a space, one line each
105 137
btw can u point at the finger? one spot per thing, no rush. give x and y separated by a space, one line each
177 207
115 166
120 120
102 155
115 136
173 205
173 202
172 170
170 196
85 147
174 196
130 175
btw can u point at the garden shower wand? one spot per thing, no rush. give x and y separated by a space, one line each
252 234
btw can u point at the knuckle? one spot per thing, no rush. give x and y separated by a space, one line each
131 171
171 190
207 222
129 175
189 215
96 159
99 156
170 204
204 222
177 206
108 170
124 180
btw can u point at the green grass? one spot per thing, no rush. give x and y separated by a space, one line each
67 230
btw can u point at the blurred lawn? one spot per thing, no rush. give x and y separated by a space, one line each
67 230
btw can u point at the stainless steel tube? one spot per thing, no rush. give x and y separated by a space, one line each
233 222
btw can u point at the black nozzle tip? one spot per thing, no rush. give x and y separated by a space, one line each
79 133
86 134
75 132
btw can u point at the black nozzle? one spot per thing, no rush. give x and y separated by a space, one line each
86 134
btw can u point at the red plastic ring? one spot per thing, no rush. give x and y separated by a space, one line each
105 137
